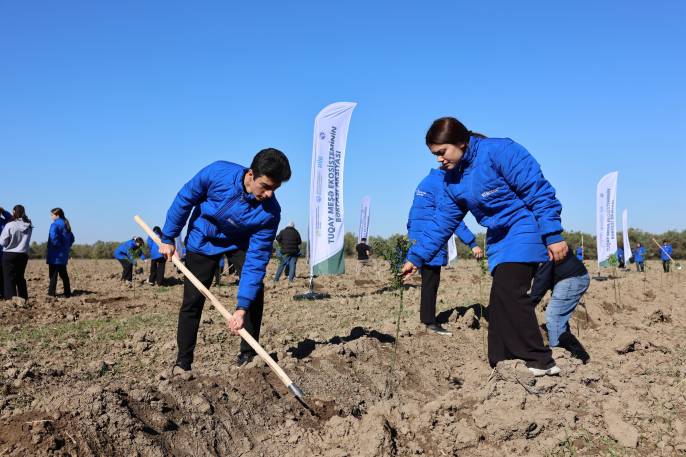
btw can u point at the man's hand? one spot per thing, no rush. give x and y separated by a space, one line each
558 251
408 270
477 252
167 250
236 321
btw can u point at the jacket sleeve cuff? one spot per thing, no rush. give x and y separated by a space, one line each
552 238
414 259
166 240
472 245
243 303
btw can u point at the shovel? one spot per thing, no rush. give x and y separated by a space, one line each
292 387
677 265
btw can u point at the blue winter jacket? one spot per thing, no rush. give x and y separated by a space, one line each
580 253
423 209
59 243
502 185
620 255
125 251
5 217
225 218
638 254
664 250
154 249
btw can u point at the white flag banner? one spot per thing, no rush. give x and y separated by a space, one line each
326 230
625 236
452 249
363 231
606 218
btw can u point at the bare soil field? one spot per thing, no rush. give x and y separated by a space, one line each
88 375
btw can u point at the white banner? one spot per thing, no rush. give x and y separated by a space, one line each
326 230
625 236
452 249
606 218
363 231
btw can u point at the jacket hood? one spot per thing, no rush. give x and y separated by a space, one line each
22 226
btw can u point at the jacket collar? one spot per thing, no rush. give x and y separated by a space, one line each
471 151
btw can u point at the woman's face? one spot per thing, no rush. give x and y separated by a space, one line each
54 217
448 155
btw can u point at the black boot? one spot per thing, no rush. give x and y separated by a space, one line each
569 342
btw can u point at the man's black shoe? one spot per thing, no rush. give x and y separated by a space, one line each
244 358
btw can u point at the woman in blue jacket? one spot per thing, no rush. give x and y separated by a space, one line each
157 260
639 257
60 240
502 185
422 210
126 254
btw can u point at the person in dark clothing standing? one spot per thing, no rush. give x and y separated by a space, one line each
60 240
15 239
569 281
233 211
157 261
363 253
289 241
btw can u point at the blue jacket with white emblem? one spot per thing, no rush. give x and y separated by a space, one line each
502 185
423 210
224 218
59 243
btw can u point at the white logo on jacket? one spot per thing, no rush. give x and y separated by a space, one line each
489 192
420 193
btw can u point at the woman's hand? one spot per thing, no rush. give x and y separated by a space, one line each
408 270
236 321
477 252
167 250
558 251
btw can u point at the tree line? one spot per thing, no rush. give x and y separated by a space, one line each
104 249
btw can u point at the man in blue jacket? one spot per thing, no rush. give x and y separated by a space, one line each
639 254
423 210
233 212
665 255
5 217
157 261
620 257
126 254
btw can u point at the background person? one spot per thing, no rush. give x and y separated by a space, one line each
15 239
5 217
289 242
422 210
580 253
639 257
569 281
60 240
363 253
665 253
233 212
620 258
126 254
502 185
157 261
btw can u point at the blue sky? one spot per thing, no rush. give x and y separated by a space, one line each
107 108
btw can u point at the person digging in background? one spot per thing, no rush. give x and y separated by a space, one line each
157 261
15 239
233 211
289 242
569 281
620 258
502 185
5 217
363 253
126 254
60 240
639 257
665 254
422 210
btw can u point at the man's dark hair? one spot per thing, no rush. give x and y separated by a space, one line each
272 163
364 240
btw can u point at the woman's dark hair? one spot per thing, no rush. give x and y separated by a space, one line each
448 130
59 213
139 241
272 163
19 213
157 230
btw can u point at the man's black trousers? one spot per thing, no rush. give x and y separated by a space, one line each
513 331
204 267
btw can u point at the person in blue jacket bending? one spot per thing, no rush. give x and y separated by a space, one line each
665 255
5 217
639 257
157 261
60 240
620 258
422 210
126 254
233 211
580 253
502 185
